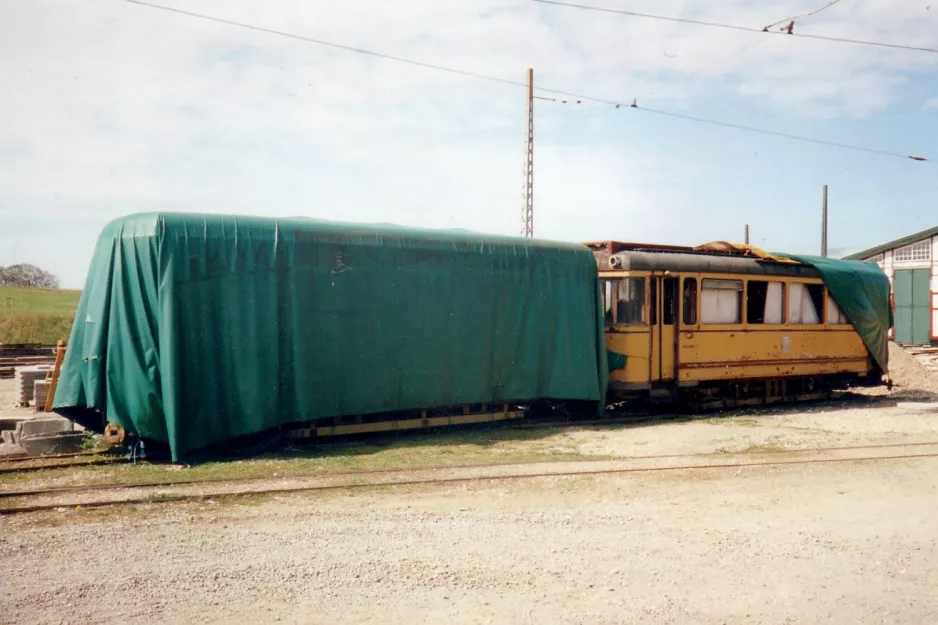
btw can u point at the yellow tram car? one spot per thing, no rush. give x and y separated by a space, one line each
720 324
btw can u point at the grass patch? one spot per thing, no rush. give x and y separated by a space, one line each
43 329
741 422
36 315
56 302
762 448
429 450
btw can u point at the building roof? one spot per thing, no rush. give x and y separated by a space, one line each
912 238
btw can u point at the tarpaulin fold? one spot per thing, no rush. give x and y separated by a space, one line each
861 290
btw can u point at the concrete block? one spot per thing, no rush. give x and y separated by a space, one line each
44 426
57 444
40 392
26 378
7 437
11 451
9 422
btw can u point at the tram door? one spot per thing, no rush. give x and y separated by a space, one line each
666 292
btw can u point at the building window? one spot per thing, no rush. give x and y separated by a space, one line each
690 301
879 259
721 301
805 303
835 316
915 251
765 302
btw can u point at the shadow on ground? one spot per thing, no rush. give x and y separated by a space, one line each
273 446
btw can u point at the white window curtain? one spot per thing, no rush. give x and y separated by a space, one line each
834 315
720 301
800 307
774 299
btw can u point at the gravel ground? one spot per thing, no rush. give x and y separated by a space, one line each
831 543
9 400
834 544
813 543
909 374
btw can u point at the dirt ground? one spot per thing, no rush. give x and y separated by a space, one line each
9 400
804 542
832 543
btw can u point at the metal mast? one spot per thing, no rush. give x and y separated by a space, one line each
824 224
527 195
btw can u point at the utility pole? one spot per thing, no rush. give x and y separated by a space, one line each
824 225
747 234
527 195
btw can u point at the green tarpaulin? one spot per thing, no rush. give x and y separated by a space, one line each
194 329
861 290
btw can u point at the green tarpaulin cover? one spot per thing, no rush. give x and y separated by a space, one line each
194 329
861 290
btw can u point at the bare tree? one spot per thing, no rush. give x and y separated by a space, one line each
28 276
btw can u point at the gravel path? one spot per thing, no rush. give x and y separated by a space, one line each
838 543
822 543
826 543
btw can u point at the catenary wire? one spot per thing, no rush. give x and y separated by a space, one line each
514 83
800 15
748 29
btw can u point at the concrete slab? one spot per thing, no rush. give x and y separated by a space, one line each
12 451
58 444
45 426
9 423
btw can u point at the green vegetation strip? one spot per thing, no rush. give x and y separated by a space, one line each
432 450
36 315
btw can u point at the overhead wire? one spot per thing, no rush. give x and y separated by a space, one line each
748 29
331 44
504 81
800 15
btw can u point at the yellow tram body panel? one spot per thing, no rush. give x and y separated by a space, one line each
741 354
785 324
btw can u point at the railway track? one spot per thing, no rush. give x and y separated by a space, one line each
634 416
63 461
37 500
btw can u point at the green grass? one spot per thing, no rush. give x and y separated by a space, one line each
39 301
41 329
444 449
36 315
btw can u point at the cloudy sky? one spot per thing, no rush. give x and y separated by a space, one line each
109 108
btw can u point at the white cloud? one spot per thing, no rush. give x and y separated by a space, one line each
112 108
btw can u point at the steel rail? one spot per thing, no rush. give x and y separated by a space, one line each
449 480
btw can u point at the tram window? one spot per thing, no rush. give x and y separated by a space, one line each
835 316
805 303
607 300
765 302
721 301
630 302
690 301
669 301
653 298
